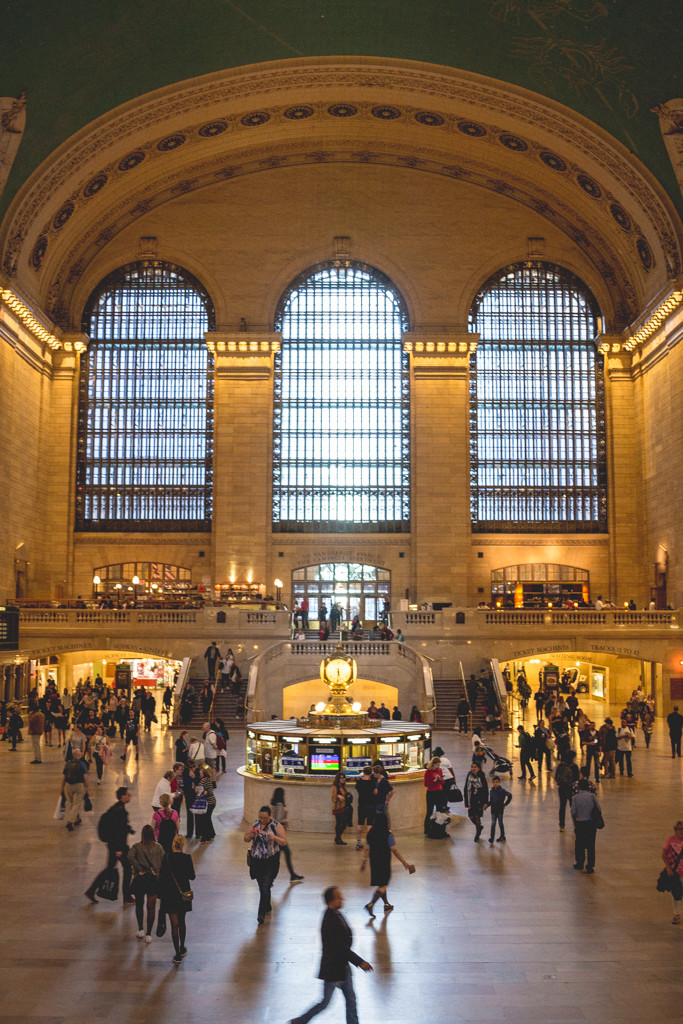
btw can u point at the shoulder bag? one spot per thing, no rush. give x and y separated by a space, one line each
186 895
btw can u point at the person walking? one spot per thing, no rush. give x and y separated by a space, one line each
476 797
462 712
131 734
591 743
279 814
36 728
647 724
74 788
336 957
165 823
339 794
584 807
145 860
365 791
625 740
177 871
204 787
267 837
499 798
526 749
381 846
675 723
672 855
211 656
114 829
433 780
566 774
608 742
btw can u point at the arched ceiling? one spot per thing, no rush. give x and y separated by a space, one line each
427 120
610 60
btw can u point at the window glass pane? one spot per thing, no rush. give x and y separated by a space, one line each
342 428
146 397
537 443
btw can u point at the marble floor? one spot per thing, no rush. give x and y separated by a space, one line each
506 933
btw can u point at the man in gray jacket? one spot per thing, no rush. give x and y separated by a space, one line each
583 807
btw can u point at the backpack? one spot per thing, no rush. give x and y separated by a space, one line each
220 742
167 829
104 826
73 772
563 775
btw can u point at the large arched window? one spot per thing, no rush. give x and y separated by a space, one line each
341 460
146 403
537 441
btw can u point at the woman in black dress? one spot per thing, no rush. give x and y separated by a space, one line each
177 871
380 847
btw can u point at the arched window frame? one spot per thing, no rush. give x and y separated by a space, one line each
510 490
385 485
123 483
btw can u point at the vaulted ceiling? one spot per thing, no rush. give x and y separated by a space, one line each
610 60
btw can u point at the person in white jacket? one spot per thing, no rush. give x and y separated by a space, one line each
625 740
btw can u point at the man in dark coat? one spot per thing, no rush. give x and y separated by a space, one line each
675 723
337 955
115 829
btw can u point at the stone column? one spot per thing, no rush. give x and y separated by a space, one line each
243 446
629 564
60 446
440 518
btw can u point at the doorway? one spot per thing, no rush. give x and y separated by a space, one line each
357 589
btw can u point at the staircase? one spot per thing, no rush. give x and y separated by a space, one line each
224 706
448 693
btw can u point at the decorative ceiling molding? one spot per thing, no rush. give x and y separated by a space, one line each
428 118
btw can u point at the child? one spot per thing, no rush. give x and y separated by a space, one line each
479 755
499 798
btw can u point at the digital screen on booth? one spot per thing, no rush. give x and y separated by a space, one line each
324 760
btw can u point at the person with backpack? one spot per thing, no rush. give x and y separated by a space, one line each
113 829
527 748
222 737
566 774
74 787
165 822
15 724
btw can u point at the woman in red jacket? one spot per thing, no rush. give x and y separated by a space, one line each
434 786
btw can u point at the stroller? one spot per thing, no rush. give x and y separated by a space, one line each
501 765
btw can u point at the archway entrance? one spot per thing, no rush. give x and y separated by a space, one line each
358 589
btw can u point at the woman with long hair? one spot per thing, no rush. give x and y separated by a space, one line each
267 837
339 807
145 860
380 847
101 751
177 871
205 786
279 814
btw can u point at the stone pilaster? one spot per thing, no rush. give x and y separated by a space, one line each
243 431
628 566
440 462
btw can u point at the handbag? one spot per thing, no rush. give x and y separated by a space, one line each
200 805
186 895
598 819
455 795
87 802
108 888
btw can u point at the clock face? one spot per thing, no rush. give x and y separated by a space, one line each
338 671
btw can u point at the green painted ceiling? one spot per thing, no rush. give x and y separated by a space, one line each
611 60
